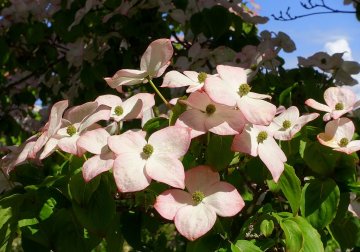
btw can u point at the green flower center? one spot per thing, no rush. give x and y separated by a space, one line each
202 77
244 89
197 197
286 124
210 109
253 67
344 142
148 150
118 110
71 130
261 137
339 106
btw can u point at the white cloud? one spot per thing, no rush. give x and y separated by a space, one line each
339 46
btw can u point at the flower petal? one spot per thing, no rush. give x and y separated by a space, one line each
273 157
94 141
257 111
233 76
97 164
166 169
318 106
246 142
128 142
56 113
219 91
170 201
129 173
194 221
126 77
200 178
224 199
174 79
173 140
157 57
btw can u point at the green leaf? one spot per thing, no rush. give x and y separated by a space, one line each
319 202
209 242
285 96
97 214
319 158
47 209
244 246
267 227
155 124
300 235
218 20
290 185
114 238
218 153
294 239
346 231
176 111
81 191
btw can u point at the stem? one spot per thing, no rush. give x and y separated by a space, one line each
159 94
65 157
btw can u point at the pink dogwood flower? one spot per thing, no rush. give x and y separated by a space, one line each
75 122
194 211
95 142
194 80
153 64
289 122
338 136
139 161
258 141
232 89
206 115
112 107
50 129
339 101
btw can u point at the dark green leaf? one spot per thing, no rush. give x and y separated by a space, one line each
244 246
319 202
290 186
80 190
218 153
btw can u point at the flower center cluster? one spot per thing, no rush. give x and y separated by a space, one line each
148 150
339 106
210 109
343 142
261 137
244 89
202 77
286 124
197 197
71 130
118 110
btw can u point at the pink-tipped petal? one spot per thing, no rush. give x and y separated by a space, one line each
69 145
194 221
174 79
194 119
224 199
97 164
246 142
166 169
219 92
170 201
56 113
49 148
259 97
172 140
148 101
304 119
200 178
257 111
109 100
78 113
94 141
352 147
273 157
128 142
334 95
233 76
316 105
131 109
129 173
126 77
157 57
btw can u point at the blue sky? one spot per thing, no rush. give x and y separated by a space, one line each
315 33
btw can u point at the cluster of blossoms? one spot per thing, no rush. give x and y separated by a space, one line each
340 69
221 103
340 131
